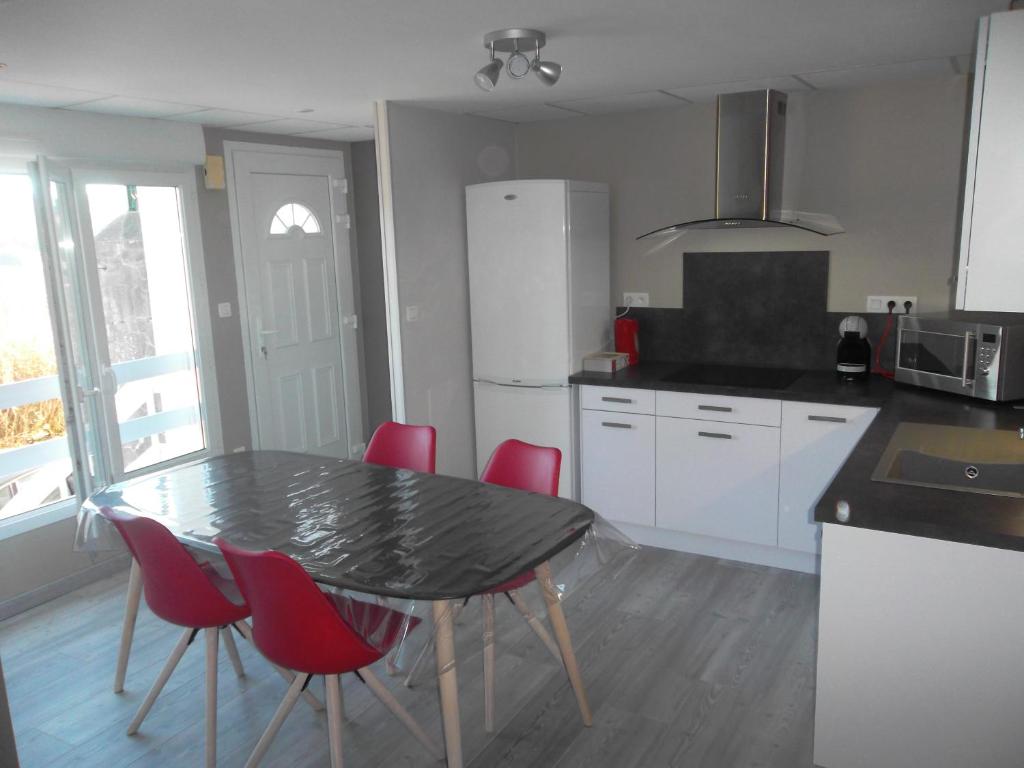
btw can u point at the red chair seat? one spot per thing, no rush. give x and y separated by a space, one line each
380 627
518 582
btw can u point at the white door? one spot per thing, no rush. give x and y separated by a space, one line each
518 281
292 226
617 465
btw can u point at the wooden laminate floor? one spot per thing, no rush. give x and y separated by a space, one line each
688 660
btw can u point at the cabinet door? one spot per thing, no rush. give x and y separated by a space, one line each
618 465
816 440
718 479
992 244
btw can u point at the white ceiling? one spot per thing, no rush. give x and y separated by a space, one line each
314 67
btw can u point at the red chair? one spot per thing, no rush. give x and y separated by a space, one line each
403 446
526 467
301 628
183 592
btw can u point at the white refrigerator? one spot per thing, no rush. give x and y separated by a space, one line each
539 289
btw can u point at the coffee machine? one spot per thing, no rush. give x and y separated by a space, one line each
853 354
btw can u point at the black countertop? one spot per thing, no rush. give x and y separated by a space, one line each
993 521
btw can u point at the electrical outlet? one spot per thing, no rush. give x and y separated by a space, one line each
412 313
636 299
881 304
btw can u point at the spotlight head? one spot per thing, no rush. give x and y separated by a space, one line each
487 76
547 71
518 65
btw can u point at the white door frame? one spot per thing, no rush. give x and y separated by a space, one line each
341 271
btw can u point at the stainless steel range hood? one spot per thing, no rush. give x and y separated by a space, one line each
748 169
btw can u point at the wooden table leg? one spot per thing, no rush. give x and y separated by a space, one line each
131 613
488 601
444 645
558 624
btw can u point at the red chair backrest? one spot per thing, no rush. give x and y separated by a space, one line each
176 588
294 623
525 466
403 446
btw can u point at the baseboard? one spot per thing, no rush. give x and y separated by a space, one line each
55 589
743 552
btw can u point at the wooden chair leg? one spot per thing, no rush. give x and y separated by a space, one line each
232 649
535 623
332 684
488 606
557 619
161 681
212 635
131 613
447 681
283 710
312 700
388 699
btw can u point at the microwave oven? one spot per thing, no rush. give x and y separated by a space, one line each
968 353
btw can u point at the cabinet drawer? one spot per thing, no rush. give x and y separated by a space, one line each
617 465
718 479
618 399
739 410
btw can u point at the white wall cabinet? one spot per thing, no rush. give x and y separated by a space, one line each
618 465
816 439
991 270
718 479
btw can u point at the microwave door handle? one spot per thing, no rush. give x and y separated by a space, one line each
967 357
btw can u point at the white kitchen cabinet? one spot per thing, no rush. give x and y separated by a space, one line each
816 439
618 465
740 410
991 270
624 399
718 479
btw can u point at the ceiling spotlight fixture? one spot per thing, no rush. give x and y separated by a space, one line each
487 76
514 42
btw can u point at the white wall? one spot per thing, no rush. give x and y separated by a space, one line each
886 160
433 156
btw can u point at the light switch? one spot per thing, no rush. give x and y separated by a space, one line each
412 313
224 309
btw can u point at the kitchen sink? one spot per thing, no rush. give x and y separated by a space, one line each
955 458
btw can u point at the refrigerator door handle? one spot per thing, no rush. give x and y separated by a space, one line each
523 384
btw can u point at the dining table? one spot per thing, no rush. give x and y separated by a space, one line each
391 533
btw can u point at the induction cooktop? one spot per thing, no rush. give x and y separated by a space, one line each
735 376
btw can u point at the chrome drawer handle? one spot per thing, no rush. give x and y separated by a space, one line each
616 399
616 425
719 435
833 419
719 408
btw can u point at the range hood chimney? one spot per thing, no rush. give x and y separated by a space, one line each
748 169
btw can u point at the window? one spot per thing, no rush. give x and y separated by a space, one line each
294 216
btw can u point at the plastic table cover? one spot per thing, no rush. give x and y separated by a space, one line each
393 537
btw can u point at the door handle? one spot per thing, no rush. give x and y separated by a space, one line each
717 435
833 419
616 400
616 425
967 357
719 408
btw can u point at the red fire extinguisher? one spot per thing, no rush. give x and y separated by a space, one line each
627 338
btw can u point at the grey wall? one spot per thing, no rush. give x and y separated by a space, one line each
434 155
886 160
222 286
373 321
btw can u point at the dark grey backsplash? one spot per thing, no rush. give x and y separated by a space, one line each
761 309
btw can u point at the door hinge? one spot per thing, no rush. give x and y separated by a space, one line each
352 320
344 220
341 185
